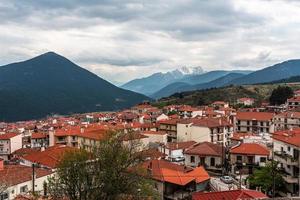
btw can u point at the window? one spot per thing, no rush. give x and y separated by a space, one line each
24 189
248 129
212 161
192 159
263 159
261 123
248 122
289 148
4 196
239 158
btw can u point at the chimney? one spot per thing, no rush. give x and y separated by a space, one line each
220 121
1 164
42 148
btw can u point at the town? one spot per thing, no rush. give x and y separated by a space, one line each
207 152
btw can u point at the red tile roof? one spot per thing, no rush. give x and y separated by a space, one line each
179 145
240 136
7 136
165 171
229 195
16 174
259 116
50 157
205 149
38 135
250 149
206 122
153 132
288 136
294 99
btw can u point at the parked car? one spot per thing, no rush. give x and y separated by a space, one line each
178 159
226 179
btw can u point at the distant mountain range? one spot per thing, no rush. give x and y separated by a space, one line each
51 84
152 85
149 85
222 78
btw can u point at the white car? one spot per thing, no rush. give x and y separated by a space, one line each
226 179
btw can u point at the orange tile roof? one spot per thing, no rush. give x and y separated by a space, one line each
165 171
294 99
16 174
205 149
179 145
229 195
50 157
154 132
240 136
250 149
259 116
288 136
7 136
38 135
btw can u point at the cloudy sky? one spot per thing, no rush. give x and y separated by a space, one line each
120 40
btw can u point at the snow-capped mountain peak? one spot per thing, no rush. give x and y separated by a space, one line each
190 70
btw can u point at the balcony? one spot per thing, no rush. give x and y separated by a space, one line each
290 179
285 158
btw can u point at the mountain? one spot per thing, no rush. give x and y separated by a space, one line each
155 82
276 72
210 76
52 84
181 86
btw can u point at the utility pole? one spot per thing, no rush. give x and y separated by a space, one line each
33 178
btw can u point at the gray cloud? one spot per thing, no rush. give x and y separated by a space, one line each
140 37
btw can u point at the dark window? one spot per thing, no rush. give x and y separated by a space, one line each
289 148
263 159
212 161
192 159
239 158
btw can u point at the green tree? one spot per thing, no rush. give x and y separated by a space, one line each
280 95
108 172
265 176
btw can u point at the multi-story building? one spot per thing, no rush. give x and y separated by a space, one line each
246 101
205 154
170 127
293 103
286 120
17 180
246 156
39 140
255 122
9 142
215 130
287 153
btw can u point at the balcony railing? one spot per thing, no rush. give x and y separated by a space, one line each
283 157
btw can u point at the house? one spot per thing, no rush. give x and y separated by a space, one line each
245 101
39 139
237 138
254 122
9 142
286 120
297 93
139 141
47 158
174 150
215 130
158 137
287 153
170 127
246 156
205 154
174 181
229 195
17 179
78 137
220 104
293 103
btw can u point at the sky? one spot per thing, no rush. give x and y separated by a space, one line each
120 40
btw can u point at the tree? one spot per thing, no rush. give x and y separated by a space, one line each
108 172
265 176
280 95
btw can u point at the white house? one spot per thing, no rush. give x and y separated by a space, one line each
9 142
17 179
